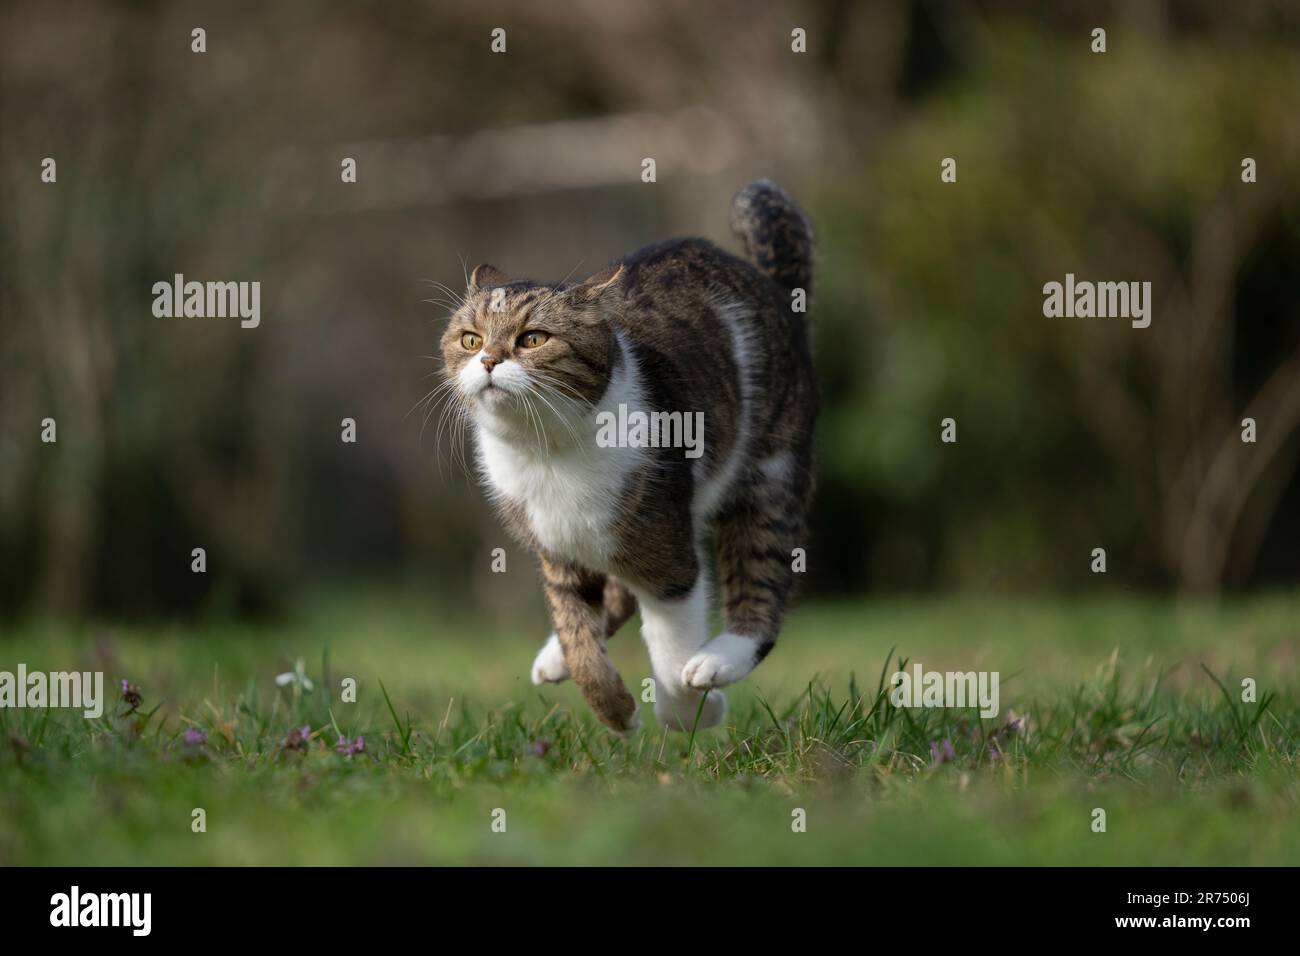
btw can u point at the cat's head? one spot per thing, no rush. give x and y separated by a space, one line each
512 347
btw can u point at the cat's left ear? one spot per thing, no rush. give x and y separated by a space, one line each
606 282
486 277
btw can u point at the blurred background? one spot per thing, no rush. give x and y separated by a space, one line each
1072 433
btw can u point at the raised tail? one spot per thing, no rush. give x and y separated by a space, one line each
776 234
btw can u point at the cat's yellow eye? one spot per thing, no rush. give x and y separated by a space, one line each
472 341
530 340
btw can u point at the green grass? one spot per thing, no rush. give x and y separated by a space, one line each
1131 706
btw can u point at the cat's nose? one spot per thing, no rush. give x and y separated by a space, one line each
489 362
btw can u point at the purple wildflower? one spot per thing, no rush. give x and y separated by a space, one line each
349 749
942 752
541 747
298 739
131 696
194 737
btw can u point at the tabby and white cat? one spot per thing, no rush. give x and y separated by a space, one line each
680 326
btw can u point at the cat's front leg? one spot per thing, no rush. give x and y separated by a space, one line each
576 599
549 666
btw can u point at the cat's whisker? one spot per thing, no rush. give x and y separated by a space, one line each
538 384
427 396
433 406
547 377
448 298
540 391
451 307
460 425
430 395
571 272
539 427
579 409
465 423
437 398
452 411
553 385
576 408
443 287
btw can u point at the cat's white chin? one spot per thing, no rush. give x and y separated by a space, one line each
492 395
498 410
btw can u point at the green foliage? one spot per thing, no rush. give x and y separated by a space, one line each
1070 432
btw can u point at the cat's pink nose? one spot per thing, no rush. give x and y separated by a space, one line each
489 362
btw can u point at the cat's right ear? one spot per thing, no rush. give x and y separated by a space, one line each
606 282
486 277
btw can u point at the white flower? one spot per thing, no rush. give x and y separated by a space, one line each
296 676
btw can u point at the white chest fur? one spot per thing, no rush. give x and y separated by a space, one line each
571 497
570 487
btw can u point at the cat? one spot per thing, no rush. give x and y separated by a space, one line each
679 326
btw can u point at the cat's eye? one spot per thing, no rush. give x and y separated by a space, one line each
530 340
472 341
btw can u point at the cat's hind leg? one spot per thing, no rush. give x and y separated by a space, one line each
755 535
620 604
674 628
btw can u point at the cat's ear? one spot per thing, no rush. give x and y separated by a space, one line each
485 276
607 282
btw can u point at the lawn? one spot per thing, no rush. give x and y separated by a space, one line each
1127 705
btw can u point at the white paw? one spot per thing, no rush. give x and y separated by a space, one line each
549 666
724 660
678 713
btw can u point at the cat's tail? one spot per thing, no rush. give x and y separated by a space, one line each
776 234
